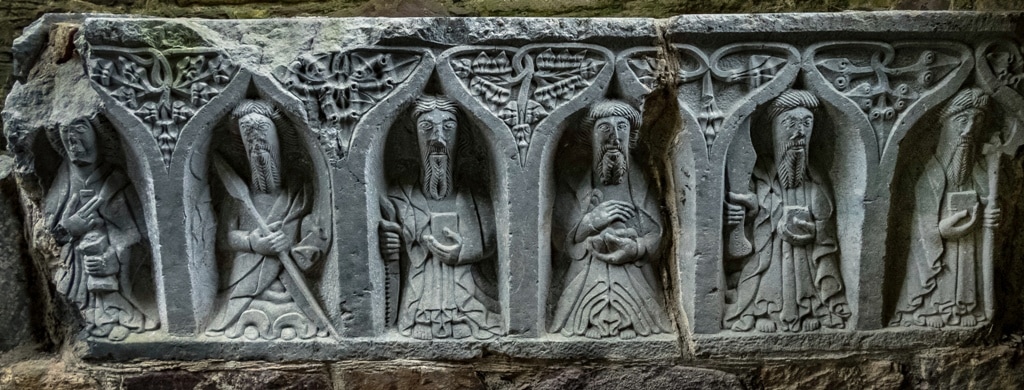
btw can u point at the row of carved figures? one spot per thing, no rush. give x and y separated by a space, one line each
438 236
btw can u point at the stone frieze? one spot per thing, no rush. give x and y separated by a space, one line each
539 188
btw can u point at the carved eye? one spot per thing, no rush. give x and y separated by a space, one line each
842 82
449 125
928 57
426 125
604 128
927 78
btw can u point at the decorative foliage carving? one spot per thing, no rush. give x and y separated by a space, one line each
1006 64
338 88
885 80
164 97
719 83
522 87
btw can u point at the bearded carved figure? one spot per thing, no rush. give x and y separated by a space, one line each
90 210
436 234
264 226
608 229
942 285
782 270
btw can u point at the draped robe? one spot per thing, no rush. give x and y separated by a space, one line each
113 304
256 290
608 298
942 275
440 300
782 282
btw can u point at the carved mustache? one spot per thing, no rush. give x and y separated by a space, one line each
799 142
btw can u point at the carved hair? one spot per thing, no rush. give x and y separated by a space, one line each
246 107
969 98
429 103
608 108
294 162
792 99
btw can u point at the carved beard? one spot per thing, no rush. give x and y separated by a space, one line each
263 166
793 164
437 173
612 166
960 164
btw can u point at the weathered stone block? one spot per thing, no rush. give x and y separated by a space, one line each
625 189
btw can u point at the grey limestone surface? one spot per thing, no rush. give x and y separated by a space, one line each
701 186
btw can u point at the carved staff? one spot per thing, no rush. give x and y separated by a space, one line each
391 268
994 151
238 190
740 166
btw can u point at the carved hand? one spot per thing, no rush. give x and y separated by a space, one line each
951 228
606 214
103 264
390 240
737 206
992 216
625 250
268 243
799 232
448 254
84 220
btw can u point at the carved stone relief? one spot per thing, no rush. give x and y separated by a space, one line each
782 271
437 236
338 88
93 213
717 83
607 233
524 86
266 235
445 188
886 80
163 96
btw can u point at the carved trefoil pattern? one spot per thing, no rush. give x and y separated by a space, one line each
719 83
338 88
163 96
885 80
523 86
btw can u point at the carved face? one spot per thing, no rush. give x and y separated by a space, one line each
791 131
610 145
436 132
80 142
259 135
964 124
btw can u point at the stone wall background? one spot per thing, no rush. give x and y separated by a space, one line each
34 327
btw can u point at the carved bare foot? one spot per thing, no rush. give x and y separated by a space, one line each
118 333
744 324
811 324
627 334
968 320
934 321
593 333
765 325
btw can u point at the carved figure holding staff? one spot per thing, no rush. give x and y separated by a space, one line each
439 234
955 209
264 230
789 278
